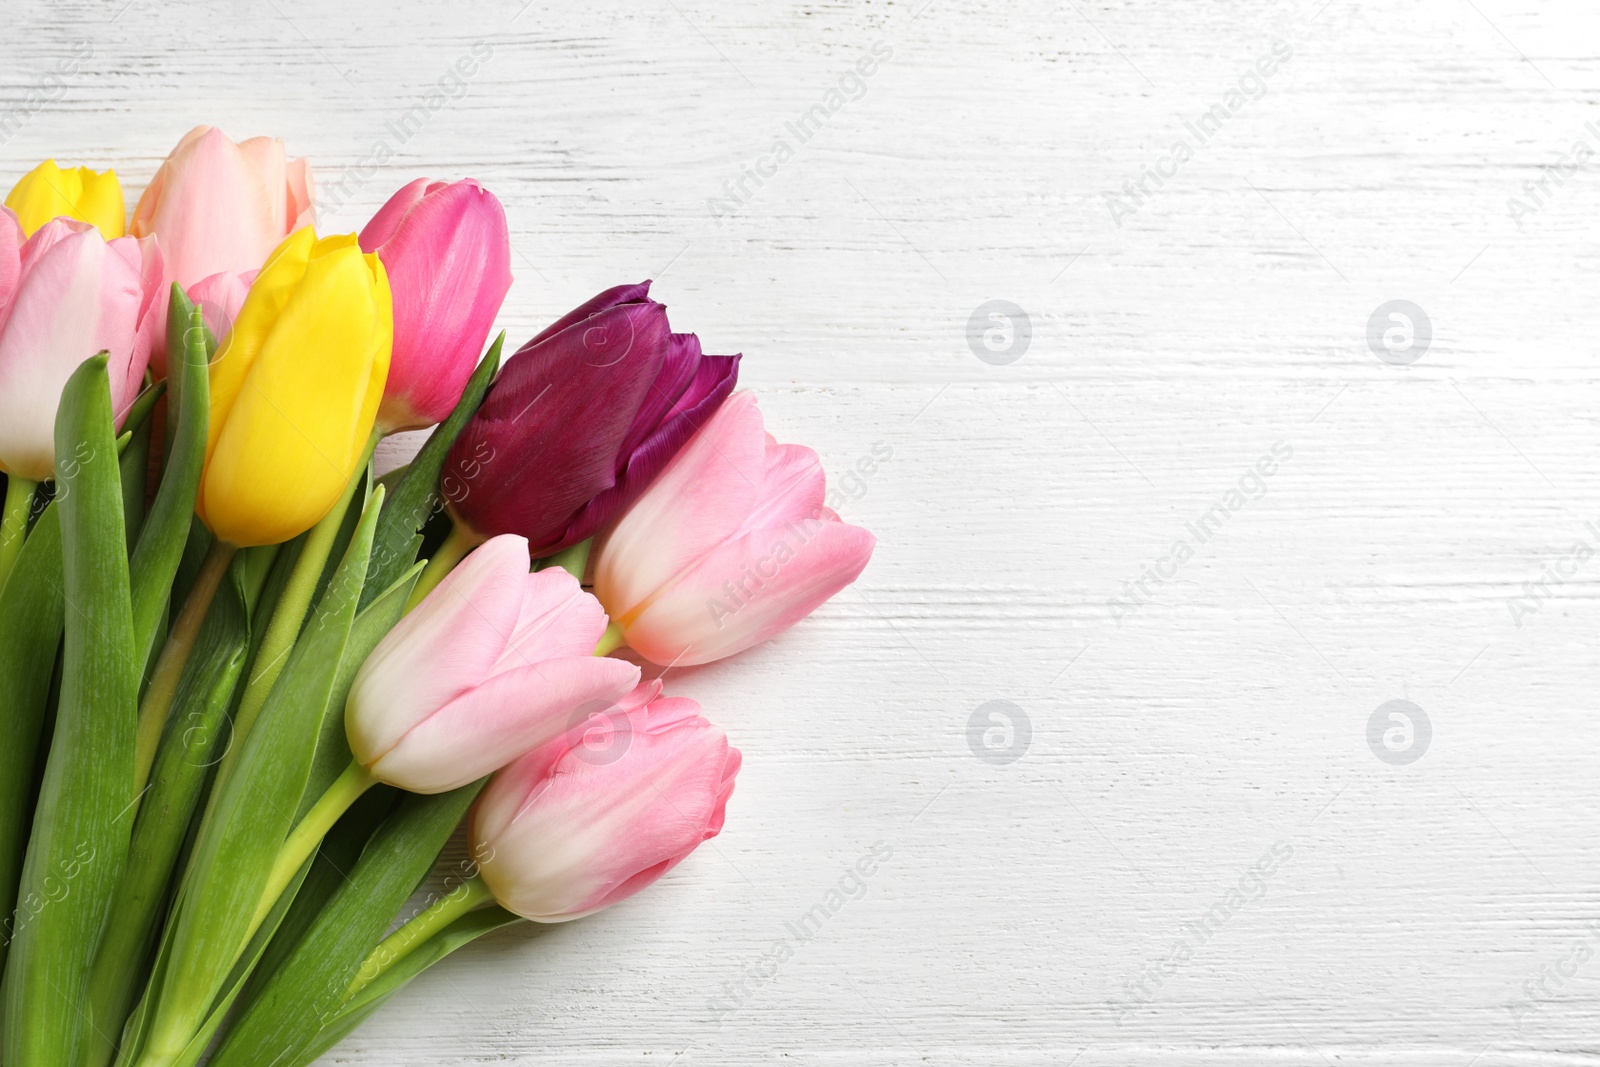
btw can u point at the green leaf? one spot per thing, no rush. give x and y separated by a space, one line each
191 746
30 630
180 311
160 549
375 620
143 406
340 852
416 497
79 847
251 811
463 931
308 991
135 460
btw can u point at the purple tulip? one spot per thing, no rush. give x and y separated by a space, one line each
581 420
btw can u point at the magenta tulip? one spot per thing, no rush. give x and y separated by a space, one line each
582 419
75 294
448 254
730 546
493 662
600 813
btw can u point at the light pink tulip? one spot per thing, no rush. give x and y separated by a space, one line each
585 821
10 259
219 298
448 254
731 545
219 206
76 294
493 662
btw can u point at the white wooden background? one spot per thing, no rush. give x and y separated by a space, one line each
1169 749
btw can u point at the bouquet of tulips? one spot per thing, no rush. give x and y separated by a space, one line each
251 690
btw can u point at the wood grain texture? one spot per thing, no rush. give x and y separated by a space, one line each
1172 745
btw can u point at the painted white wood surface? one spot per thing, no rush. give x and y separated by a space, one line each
1172 745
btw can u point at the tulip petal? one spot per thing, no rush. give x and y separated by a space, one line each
77 297
713 380
448 253
220 298
10 261
597 830
441 649
517 784
383 225
698 502
749 590
556 618
294 395
613 297
219 206
570 403
506 716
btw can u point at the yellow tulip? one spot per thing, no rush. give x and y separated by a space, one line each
295 389
48 192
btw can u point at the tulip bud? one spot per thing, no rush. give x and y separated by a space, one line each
219 206
730 546
493 662
295 388
575 826
75 294
47 192
582 419
448 254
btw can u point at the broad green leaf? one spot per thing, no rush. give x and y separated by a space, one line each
251 811
417 496
192 743
308 990
80 844
30 631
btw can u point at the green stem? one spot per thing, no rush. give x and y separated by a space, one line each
163 688
468 896
14 525
462 539
314 826
290 613
574 560
611 640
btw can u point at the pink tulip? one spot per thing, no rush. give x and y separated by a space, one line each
219 206
76 294
219 298
730 546
494 661
448 255
10 259
584 822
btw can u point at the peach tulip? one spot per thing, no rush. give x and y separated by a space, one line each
219 206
